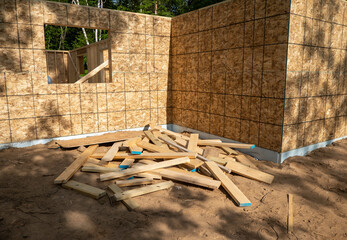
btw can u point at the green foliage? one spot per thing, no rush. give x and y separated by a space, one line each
66 38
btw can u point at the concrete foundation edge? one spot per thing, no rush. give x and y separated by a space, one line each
257 152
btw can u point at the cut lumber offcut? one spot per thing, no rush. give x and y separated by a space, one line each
248 172
85 189
153 148
148 155
99 169
73 168
184 144
245 161
105 138
224 144
197 156
132 171
171 133
205 171
229 150
152 138
193 142
108 157
211 152
134 182
128 162
290 221
134 149
194 163
228 185
218 160
92 72
185 176
129 203
143 190
149 175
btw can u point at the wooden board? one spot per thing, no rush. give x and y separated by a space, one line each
85 189
133 147
153 148
245 161
108 157
228 185
211 152
184 144
132 171
188 177
73 168
93 72
222 144
149 175
128 162
217 160
193 142
152 138
99 169
248 172
134 182
290 221
229 150
148 155
143 190
129 203
105 138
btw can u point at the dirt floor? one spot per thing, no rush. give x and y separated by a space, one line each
32 207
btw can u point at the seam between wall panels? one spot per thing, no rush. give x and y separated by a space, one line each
8 108
285 76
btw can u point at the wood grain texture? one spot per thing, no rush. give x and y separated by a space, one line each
129 203
143 190
148 155
248 172
132 171
234 192
73 168
85 189
105 138
111 152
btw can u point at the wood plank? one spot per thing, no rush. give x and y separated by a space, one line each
245 161
149 175
184 144
99 169
134 182
92 73
218 160
108 157
193 142
211 152
105 138
132 171
186 177
129 203
290 221
143 190
85 189
251 173
229 150
171 133
153 148
148 155
126 163
197 156
152 138
223 144
73 168
228 185
133 147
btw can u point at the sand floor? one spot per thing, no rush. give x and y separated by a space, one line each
32 207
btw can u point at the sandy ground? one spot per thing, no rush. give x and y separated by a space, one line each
32 207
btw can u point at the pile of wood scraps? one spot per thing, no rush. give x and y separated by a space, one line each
146 161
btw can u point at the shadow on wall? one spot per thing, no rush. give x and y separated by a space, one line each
322 77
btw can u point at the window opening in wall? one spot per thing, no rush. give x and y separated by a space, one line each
77 55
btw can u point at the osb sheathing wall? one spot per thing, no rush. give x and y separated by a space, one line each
228 70
316 86
32 109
